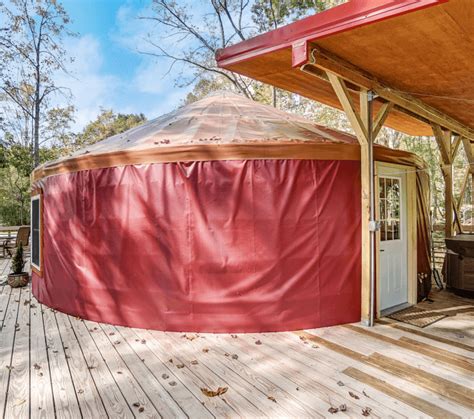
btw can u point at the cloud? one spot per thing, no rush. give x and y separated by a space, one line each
90 87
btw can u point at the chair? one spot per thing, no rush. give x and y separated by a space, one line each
23 237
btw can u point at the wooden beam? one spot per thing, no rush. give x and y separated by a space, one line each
444 144
381 117
455 146
335 65
469 152
467 174
345 98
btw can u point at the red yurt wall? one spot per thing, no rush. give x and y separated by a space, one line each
216 246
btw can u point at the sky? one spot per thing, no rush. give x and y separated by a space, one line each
108 71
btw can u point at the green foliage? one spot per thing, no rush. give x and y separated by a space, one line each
270 14
107 124
14 197
18 262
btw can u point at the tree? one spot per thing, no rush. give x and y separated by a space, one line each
106 124
194 40
32 52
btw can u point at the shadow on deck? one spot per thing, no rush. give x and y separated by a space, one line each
55 365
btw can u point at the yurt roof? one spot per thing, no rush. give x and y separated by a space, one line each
222 126
220 118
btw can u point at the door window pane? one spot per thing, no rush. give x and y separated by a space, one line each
389 199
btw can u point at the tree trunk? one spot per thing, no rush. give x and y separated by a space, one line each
36 132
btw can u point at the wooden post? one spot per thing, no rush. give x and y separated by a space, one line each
360 123
443 138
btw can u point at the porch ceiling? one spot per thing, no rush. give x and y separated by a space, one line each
419 49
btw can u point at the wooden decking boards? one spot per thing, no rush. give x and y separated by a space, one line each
55 365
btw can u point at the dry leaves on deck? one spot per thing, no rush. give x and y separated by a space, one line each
211 393
366 411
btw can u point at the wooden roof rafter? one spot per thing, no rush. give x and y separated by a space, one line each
323 62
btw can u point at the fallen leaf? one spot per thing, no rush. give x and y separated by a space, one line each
188 337
366 411
20 402
354 396
205 350
235 356
365 394
258 342
143 341
141 409
136 404
117 342
315 346
170 360
179 366
165 376
80 391
111 333
333 410
340 383
272 399
226 354
194 362
234 336
37 366
211 393
172 383
342 407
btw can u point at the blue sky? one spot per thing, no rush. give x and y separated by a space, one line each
108 71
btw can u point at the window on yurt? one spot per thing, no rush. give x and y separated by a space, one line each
36 232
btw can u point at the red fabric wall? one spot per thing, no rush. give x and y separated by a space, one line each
219 246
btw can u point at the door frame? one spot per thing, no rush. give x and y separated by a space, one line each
410 198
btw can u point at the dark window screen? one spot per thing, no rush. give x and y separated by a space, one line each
35 227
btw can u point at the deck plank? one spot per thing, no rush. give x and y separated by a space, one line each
191 350
67 367
168 359
7 341
87 395
114 401
212 350
127 367
41 393
239 402
163 371
64 393
18 395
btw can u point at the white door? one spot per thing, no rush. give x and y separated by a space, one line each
393 237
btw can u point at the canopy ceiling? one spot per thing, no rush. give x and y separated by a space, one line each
420 48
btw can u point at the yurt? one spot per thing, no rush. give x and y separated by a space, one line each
223 216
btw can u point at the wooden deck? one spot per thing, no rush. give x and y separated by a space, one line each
55 365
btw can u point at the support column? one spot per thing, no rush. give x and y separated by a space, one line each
362 123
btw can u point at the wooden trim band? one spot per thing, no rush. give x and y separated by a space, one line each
210 152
